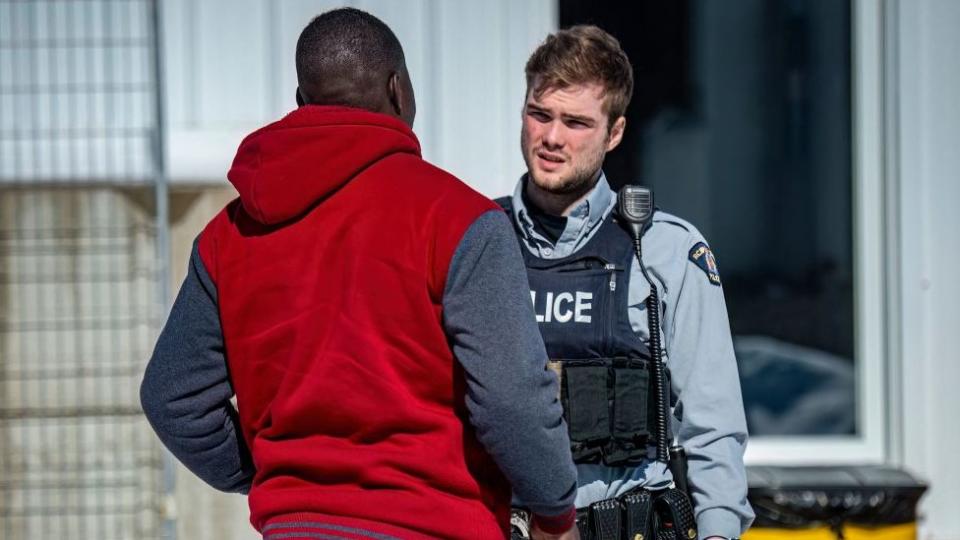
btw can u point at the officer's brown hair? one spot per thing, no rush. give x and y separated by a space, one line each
583 54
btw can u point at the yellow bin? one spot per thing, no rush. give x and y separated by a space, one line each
859 502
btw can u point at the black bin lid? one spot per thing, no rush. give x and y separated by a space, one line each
870 495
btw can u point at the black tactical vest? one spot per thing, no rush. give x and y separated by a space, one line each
605 382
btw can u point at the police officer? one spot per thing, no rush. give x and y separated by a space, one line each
589 296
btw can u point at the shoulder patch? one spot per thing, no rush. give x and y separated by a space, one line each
701 256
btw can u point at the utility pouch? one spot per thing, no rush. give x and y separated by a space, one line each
587 410
673 516
605 516
637 512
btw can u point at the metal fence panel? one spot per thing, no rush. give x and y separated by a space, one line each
81 283
77 91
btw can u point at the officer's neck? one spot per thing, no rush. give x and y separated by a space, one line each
558 204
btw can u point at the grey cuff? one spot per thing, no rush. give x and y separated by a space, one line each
718 522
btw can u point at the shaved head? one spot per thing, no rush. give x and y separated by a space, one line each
350 58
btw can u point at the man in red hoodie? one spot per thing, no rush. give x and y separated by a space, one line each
369 312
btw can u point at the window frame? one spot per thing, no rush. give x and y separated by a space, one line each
872 342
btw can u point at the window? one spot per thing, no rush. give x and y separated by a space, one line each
743 122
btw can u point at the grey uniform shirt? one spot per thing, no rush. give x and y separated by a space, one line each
708 418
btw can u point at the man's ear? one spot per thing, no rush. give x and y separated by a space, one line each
395 93
299 98
402 101
616 133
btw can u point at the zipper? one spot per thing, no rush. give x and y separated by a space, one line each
613 276
611 306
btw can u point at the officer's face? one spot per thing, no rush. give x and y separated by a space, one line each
565 137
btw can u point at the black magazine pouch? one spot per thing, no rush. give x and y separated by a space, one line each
637 506
587 410
631 396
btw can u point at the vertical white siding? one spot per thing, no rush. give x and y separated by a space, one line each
230 69
929 196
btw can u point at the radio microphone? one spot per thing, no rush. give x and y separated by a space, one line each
635 206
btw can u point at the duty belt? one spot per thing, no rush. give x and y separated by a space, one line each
639 514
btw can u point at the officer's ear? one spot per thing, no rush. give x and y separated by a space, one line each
616 133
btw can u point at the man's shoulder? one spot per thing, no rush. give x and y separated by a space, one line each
417 169
441 185
505 202
218 229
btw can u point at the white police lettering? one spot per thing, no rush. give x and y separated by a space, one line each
581 306
533 300
557 307
564 316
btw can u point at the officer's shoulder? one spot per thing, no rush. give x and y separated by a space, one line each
675 231
685 242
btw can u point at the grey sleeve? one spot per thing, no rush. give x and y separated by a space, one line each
186 388
511 397
712 428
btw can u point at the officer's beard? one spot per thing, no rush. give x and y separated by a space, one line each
576 183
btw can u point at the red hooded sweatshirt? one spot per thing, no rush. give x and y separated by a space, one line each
330 271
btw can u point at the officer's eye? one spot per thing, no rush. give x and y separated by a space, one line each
539 116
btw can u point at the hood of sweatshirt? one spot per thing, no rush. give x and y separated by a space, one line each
288 166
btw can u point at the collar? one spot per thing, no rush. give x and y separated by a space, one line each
582 221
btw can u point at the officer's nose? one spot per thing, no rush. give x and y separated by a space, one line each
553 137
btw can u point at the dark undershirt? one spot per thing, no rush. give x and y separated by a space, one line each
548 225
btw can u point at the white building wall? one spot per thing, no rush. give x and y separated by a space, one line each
230 69
929 253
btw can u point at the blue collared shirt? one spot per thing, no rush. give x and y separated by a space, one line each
709 419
